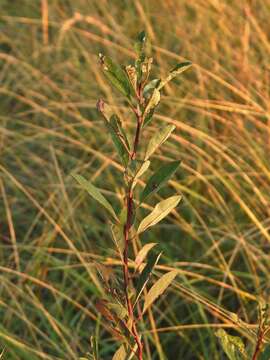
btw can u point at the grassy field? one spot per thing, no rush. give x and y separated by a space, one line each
51 232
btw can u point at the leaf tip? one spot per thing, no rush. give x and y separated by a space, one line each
141 36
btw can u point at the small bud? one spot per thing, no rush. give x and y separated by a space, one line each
100 105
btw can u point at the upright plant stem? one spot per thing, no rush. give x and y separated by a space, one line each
137 137
127 226
258 347
142 97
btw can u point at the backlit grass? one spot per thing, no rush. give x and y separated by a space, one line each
51 233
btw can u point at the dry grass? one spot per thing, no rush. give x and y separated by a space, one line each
50 233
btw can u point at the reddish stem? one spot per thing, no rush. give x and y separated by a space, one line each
258 345
126 272
137 138
127 226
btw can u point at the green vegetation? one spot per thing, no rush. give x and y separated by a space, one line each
53 236
122 304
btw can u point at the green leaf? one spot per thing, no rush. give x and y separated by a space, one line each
150 86
148 117
119 130
159 212
120 354
147 93
111 118
95 193
121 149
140 43
115 74
159 178
145 275
140 172
108 311
233 346
116 131
140 51
152 103
178 69
143 253
118 309
118 237
158 139
158 288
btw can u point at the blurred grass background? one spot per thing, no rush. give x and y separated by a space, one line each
50 231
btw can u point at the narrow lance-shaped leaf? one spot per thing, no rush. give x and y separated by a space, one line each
148 117
178 69
145 275
110 313
150 87
120 354
118 309
159 178
160 211
118 237
158 139
140 43
95 193
116 131
116 75
148 92
143 253
152 102
158 288
119 130
110 116
140 172
233 346
120 147
119 139
139 48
